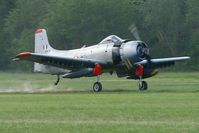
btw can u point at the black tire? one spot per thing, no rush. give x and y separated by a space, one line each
143 86
97 87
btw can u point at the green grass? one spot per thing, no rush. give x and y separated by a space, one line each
170 105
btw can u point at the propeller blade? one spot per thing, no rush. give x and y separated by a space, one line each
134 31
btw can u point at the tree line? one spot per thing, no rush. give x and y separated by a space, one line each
169 27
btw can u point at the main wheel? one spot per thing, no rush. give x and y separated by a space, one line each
97 87
143 86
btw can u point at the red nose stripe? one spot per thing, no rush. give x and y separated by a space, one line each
23 54
97 70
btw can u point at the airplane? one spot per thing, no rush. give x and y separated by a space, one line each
127 58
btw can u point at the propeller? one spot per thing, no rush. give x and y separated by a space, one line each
134 31
144 51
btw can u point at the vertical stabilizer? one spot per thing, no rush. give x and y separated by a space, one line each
42 45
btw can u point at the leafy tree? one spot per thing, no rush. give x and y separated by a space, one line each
192 18
170 27
73 23
20 26
164 23
5 7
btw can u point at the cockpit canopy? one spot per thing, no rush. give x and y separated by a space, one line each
112 39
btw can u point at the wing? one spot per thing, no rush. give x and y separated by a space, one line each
60 61
161 62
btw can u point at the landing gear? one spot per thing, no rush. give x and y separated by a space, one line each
97 86
143 85
139 72
57 81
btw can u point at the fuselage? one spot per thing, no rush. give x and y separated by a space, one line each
118 54
126 56
98 52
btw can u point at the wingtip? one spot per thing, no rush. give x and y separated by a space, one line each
23 54
186 57
16 59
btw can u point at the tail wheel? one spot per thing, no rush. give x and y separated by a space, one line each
97 87
143 85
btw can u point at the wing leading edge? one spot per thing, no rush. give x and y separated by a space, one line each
162 62
60 61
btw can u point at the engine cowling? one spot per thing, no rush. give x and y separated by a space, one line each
126 54
133 51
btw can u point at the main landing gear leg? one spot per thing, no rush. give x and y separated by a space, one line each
142 85
97 86
58 79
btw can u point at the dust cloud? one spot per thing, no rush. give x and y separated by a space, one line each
28 87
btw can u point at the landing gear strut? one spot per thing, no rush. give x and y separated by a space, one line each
97 86
97 71
143 85
57 81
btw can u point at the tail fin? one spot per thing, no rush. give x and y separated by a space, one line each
42 45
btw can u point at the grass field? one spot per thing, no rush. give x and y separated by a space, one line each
29 103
